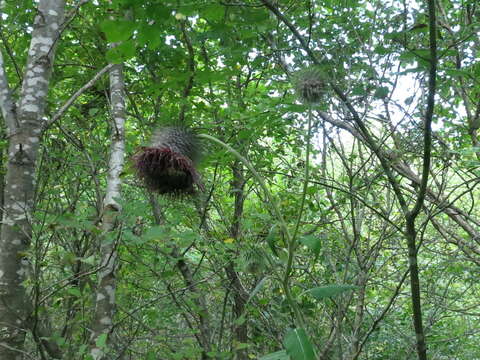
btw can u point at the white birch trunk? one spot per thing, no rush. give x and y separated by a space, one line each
105 299
24 125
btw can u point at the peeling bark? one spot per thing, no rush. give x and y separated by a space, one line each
105 299
24 125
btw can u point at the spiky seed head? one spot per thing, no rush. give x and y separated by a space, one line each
179 139
310 85
168 165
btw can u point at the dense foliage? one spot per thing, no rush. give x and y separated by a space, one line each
307 256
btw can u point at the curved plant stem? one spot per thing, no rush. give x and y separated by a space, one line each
290 240
292 244
257 176
307 174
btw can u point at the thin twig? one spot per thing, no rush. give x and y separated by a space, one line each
75 96
6 102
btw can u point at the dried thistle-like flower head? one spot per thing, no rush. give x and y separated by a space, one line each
168 165
310 85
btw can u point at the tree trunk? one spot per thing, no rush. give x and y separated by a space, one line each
240 295
24 126
105 299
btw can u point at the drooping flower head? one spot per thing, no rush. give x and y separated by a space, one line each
167 166
310 85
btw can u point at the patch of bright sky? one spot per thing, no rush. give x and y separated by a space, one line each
169 39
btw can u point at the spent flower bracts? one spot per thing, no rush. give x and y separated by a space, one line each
168 165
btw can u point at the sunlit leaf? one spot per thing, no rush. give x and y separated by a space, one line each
298 345
101 341
279 355
118 30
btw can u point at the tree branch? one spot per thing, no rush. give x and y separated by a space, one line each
191 69
76 95
356 117
6 103
412 215
427 145
11 55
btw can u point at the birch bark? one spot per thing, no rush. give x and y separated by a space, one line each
24 122
105 299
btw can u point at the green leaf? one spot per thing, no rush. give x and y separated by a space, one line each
312 242
295 108
239 321
240 346
212 12
423 53
409 100
381 92
93 111
412 70
381 50
257 289
279 355
152 355
166 274
158 232
298 345
88 260
185 238
206 76
457 72
69 220
159 12
127 48
419 27
407 56
328 291
117 30
101 341
271 238
75 292
358 90
396 35
254 15
59 340
148 35
82 349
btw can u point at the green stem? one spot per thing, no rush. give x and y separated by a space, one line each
292 245
283 224
257 176
307 174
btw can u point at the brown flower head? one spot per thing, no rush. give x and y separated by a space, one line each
168 165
